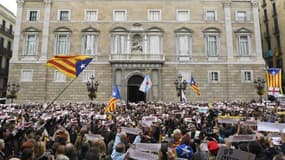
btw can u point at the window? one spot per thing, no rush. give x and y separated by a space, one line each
64 15
154 44
3 62
241 16
183 43
185 75
91 15
119 44
59 77
120 15
90 44
183 15
211 15
214 76
30 44
246 76
62 42
243 45
27 75
243 42
212 42
87 74
154 15
33 15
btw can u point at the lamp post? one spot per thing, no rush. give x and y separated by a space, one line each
92 87
180 86
259 85
13 89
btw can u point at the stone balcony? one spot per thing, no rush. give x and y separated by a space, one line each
137 58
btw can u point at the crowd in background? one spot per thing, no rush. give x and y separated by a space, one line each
82 131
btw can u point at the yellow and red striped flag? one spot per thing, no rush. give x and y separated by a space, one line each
194 86
274 80
71 66
112 104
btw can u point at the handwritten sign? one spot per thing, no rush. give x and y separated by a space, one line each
148 120
134 131
227 153
203 109
100 116
249 123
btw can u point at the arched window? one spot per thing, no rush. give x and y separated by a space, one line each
212 42
183 44
154 40
31 38
90 41
243 42
119 40
62 41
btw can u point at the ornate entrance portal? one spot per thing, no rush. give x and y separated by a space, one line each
134 95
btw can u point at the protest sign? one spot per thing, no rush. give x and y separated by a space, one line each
203 109
139 155
92 137
134 131
249 123
97 116
148 120
242 138
229 119
150 147
227 153
270 127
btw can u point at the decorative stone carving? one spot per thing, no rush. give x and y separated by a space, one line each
136 44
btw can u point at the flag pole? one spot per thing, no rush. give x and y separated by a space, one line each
60 93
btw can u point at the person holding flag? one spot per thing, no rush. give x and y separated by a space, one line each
114 99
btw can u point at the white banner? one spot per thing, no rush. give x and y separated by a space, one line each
134 131
139 155
151 147
92 137
242 138
270 127
227 153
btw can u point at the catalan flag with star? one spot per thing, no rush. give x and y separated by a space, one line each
71 66
194 86
274 81
114 99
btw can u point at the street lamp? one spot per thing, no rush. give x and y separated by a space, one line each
92 87
12 89
180 86
259 85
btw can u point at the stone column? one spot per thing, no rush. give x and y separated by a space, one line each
20 4
229 31
45 30
258 46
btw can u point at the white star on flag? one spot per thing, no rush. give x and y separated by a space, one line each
82 66
185 151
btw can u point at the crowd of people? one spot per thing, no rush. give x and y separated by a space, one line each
169 131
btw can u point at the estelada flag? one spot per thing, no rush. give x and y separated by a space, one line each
274 78
114 99
71 66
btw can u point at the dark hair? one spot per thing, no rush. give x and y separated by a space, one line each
92 154
27 154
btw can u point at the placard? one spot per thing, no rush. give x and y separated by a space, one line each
242 138
151 147
92 137
270 127
227 153
139 155
134 131
229 119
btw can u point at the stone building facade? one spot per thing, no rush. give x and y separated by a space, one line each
215 41
7 24
273 34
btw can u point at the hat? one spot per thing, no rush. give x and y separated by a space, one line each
213 147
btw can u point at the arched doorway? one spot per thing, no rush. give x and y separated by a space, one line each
134 95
